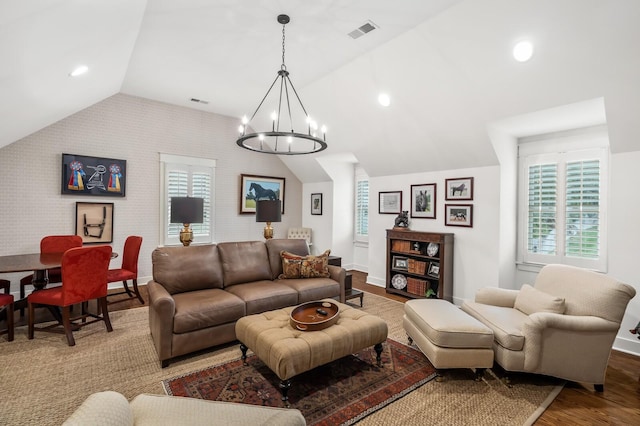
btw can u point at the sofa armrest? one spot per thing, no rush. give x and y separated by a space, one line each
339 274
497 296
162 309
102 409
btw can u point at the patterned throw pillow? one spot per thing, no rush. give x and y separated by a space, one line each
295 266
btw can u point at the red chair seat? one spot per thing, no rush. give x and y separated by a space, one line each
7 300
128 270
114 275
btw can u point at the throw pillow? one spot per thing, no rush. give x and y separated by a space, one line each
529 301
295 266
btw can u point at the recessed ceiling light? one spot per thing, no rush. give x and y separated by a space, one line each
79 71
384 99
523 51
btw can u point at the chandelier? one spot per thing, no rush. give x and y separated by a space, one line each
282 138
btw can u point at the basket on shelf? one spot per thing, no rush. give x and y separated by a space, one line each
416 266
416 286
401 245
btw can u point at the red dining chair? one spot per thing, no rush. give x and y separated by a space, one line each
51 244
5 285
84 278
7 300
128 271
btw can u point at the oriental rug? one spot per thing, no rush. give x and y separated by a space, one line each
341 392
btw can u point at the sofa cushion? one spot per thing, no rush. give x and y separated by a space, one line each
275 247
506 323
200 309
261 296
181 269
294 266
244 262
529 301
310 289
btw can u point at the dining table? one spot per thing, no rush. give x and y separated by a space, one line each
39 264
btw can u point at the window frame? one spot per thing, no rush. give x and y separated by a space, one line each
361 176
189 165
563 148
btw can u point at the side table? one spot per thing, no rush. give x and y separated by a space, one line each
349 291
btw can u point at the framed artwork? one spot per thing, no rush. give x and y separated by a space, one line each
458 215
253 188
400 263
390 202
423 201
434 270
83 175
316 204
94 222
459 188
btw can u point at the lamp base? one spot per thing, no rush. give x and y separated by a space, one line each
268 231
186 235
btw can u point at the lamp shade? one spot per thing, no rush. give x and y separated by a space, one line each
186 210
268 210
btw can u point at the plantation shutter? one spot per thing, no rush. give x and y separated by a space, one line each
362 208
188 177
543 180
582 211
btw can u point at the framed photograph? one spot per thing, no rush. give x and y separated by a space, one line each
83 175
400 263
316 204
458 215
94 222
423 201
390 202
434 270
253 188
459 189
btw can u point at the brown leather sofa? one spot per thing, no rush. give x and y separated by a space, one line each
199 292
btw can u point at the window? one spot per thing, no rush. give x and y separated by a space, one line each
562 201
181 177
362 206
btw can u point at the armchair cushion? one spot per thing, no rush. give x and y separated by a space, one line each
529 301
506 323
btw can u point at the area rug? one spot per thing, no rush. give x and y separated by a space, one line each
341 392
43 381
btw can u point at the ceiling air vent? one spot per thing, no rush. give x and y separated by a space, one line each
359 32
199 101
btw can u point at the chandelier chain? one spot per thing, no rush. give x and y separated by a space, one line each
284 67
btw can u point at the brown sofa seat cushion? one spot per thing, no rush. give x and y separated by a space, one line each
181 269
262 296
313 288
244 262
196 310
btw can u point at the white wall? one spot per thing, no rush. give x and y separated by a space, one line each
475 254
136 130
321 225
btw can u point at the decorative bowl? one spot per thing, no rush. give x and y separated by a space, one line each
314 316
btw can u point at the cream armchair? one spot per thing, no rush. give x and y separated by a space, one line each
564 326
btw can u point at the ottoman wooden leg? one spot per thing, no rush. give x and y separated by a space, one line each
410 340
378 349
479 374
244 348
285 385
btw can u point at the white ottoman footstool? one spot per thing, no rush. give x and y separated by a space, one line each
448 336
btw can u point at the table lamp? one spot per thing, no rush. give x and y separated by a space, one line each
186 210
268 211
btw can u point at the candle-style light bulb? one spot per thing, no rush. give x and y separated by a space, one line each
245 120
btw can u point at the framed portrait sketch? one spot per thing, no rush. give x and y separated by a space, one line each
459 189
316 204
83 175
94 222
254 188
423 201
458 215
390 202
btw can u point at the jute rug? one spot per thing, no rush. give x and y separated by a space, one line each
340 392
42 381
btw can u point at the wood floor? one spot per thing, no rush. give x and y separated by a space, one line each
577 404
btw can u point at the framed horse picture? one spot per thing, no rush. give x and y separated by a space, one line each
423 200
459 189
254 188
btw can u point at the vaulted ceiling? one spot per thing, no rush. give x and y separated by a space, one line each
446 64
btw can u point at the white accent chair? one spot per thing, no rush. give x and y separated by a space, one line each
564 326
300 234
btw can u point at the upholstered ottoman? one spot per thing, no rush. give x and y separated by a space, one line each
289 352
448 336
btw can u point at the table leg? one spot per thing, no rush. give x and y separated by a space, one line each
285 385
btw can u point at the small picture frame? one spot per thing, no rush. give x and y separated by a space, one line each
316 204
390 202
400 263
458 215
434 270
94 222
423 201
459 189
